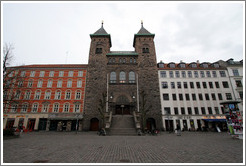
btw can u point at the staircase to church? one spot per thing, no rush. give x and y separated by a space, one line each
123 125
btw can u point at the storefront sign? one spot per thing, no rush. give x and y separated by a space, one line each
65 116
5 115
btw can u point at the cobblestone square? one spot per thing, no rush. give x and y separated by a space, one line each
88 147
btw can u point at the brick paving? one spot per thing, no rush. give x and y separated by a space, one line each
88 147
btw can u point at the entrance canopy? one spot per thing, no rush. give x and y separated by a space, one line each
215 120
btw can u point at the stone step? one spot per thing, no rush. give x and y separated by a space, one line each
123 131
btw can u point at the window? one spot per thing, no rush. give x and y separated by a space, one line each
174 96
228 96
165 96
198 85
32 74
124 60
189 74
239 83
40 83
220 96
196 74
130 60
193 65
145 50
113 77
200 96
206 96
122 77
222 74
51 74
196 110
216 109
235 72
189 111
164 85
66 107
210 110
24 107
204 84
177 74
167 110
35 107
134 60
180 96
173 85
120 60
23 73
187 96
241 95
171 74
78 95
210 85
183 74
69 83
27 95
20 83
61 73
202 74
182 65
80 74
68 95
49 84
192 85
37 95
176 111
131 77
217 85
41 74
179 85
208 74
222 110
45 108
214 73
185 85
182 110
216 65
30 82
59 84
193 96
163 74
47 95
172 65
14 107
70 74
205 65
225 84
203 110
58 95
77 108
98 50
79 83
56 107
213 96
17 94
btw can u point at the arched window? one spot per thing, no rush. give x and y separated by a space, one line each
68 94
122 77
69 83
78 94
66 107
56 107
131 77
24 107
37 94
30 82
113 77
58 95
49 84
47 94
35 107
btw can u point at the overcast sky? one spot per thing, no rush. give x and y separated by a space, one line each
58 33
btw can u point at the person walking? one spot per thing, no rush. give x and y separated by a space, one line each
178 130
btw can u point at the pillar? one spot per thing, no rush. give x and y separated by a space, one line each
16 122
4 123
48 125
36 124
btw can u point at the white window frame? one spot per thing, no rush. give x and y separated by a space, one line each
79 83
24 107
56 107
35 107
27 95
37 95
76 107
61 73
45 108
58 95
59 83
78 95
14 107
69 83
32 74
49 84
70 74
47 95
51 74
80 74
23 73
41 74
66 107
68 95
40 83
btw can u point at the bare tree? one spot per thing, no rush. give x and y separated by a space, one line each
102 108
144 109
11 77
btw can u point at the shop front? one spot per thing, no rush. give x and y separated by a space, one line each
214 123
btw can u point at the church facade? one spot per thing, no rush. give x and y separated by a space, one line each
125 82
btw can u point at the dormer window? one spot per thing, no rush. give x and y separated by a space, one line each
216 65
193 65
161 65
172 65
205 65
98 50
182 65
145 50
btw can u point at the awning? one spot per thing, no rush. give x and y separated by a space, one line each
215 120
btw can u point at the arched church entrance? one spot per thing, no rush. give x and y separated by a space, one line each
122 106
94 124
150 124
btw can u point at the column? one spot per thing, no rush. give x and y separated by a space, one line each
195 124
16 122
25 122
48 125
4 122
188 124
36 124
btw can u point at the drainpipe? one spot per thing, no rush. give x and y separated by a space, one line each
107 96
137 94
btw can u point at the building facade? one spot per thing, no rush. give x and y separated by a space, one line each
191 95
121 77
45 97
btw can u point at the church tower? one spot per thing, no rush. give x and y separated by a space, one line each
96 81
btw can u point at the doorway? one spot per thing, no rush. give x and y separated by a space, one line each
122 110
94 124
31 124
42 124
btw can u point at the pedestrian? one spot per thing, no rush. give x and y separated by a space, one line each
178 130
